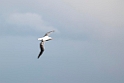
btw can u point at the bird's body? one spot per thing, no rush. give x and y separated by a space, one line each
43 39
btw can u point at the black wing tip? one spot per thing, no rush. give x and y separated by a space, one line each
38 57
49 32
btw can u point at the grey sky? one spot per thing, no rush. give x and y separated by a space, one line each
87 46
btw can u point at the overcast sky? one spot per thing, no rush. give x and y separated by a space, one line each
87 45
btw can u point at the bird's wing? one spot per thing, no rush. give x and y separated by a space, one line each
41 48
48 33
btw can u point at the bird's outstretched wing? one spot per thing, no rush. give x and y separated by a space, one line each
41 49
48 33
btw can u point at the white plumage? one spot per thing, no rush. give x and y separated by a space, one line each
43 39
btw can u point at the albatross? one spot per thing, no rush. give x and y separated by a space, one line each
43 39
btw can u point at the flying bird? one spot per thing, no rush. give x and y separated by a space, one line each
43 39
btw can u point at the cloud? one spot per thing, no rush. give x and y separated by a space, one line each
31 20
94 19
108 11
